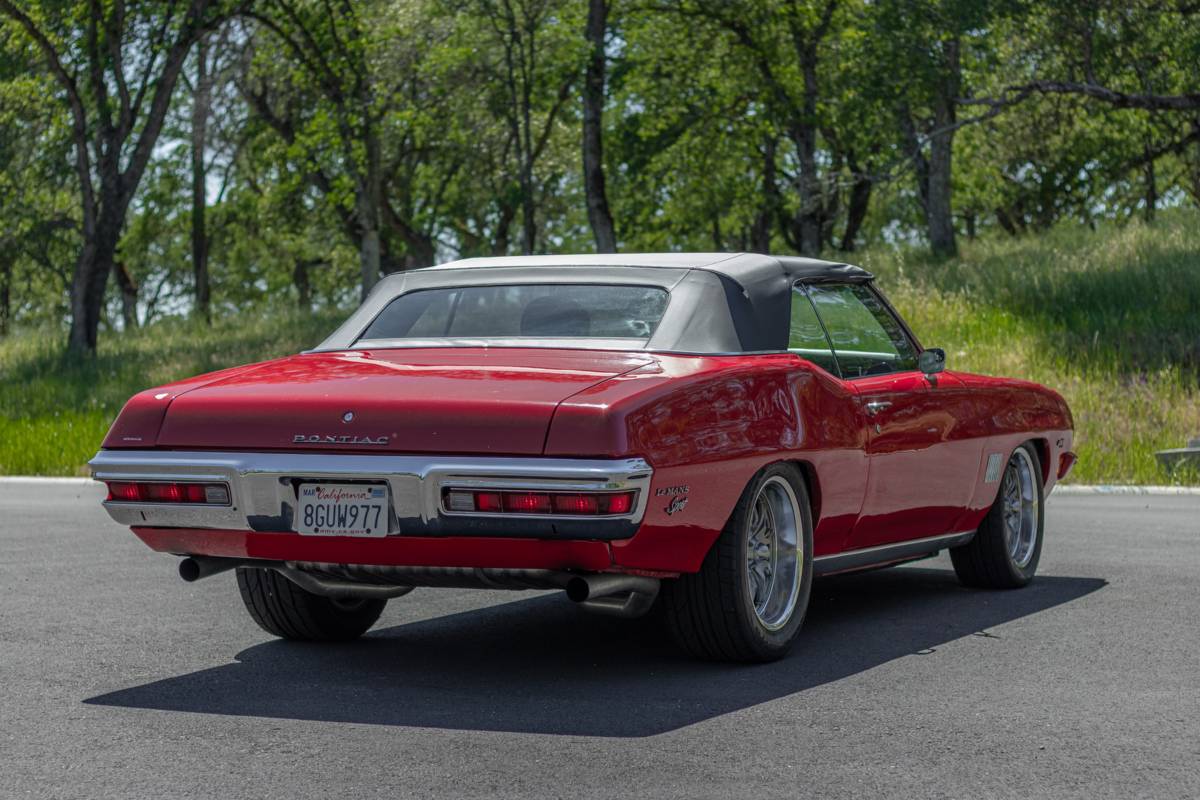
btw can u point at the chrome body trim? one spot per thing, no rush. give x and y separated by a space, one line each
263 494
888 553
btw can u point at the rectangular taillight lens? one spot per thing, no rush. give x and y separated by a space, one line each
570 504
210 494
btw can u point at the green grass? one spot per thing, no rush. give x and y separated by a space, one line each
1110 318
55 410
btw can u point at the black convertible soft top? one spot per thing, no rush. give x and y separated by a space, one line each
720 302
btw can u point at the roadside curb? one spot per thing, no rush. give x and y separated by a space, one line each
1082 489
44 479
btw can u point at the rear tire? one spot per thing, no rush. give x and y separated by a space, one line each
749 598
283 609
1005 551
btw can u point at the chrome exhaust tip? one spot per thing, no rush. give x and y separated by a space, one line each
614 594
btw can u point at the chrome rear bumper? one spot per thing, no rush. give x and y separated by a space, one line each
263 490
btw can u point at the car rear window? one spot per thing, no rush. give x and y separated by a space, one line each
534 311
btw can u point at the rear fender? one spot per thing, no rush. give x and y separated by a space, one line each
707 425
141 418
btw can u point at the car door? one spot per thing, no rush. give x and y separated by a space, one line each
920 474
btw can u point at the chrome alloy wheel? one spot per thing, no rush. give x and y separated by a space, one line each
1020 511
774 553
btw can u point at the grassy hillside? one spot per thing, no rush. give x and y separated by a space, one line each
1111 318
54 410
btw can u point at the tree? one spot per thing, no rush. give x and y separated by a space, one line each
116 65
36 203
201 86
332 48
599 215
784 42
208 79
343 85
532 60
925 54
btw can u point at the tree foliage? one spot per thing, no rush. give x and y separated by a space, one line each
215 155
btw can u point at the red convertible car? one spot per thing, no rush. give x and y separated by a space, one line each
701 434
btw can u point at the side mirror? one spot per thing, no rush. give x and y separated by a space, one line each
932 360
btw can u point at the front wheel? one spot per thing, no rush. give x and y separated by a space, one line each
1005 551
749 598
282 608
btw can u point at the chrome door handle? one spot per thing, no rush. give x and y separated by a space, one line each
875 406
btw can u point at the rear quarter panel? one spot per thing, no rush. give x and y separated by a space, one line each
707 424
142 416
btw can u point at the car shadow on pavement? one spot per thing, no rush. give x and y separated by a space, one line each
541 665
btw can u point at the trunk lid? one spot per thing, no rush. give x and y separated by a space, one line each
444 400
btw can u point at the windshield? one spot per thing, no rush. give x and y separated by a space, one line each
534 311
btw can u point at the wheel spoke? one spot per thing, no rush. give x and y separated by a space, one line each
774 561
1020 508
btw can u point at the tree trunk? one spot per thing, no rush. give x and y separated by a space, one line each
760 232
369 258
856 210
201 107
129 295
92 267
528 208
525 146
599 214
6 265
1006 221
368 201
503 233
939 209
302 283
831 196
420 251
941 216
807 223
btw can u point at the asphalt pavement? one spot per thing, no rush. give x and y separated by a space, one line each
119 680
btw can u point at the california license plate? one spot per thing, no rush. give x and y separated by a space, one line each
341 509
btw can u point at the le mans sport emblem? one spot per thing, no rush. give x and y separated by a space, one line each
678 495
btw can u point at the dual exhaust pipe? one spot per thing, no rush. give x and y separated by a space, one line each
605 593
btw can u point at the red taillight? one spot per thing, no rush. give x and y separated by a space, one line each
1065 462
163 492
489 502
527 502
124 491
574 504
621 503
